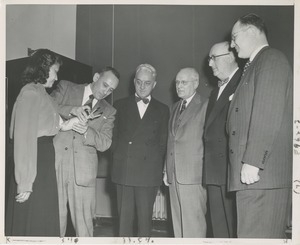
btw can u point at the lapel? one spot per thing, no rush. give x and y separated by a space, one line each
175 111
133 116
100 104
224 97
211 102
149 116
243 78
149 112
189 111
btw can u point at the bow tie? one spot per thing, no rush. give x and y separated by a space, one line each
221 83
145 100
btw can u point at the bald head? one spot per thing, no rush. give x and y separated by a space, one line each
187 81
222 60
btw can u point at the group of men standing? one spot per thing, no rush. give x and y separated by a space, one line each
231 153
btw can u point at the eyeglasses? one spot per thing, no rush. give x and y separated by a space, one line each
184 83
233 35
145 83
213 57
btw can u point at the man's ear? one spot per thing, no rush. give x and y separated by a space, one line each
154 85
96 77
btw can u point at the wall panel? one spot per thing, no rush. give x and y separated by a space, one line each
169 37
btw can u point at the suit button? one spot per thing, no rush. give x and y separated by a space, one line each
130 143
74 137
233 132
236 109
66 148
231 151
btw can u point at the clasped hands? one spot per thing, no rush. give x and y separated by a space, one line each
79 122
249 174
82 114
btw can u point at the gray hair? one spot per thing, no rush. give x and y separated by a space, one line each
147 67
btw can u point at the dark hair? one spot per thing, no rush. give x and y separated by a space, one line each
112 70
37 70
255 20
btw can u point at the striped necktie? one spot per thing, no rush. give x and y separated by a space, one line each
90 101
183 106
246 67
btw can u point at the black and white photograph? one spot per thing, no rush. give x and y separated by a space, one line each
150 122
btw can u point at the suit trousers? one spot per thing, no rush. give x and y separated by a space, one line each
188 208
139 199
222 211
263 213
81 199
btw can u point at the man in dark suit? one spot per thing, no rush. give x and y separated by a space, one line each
184 160
139 144
260 134
76 158
221 203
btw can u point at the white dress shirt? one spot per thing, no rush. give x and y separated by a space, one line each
86 95
221 89
142 106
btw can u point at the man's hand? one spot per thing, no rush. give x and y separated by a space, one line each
165 179
23 196
249 174
80 127
81 112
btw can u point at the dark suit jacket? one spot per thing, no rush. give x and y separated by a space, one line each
98 136
215 136
139 144
185 144
260 122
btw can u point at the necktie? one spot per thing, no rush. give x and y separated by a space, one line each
221 83
145 100
90 101
246 67
183 106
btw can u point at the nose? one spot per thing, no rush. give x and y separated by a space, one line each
142 85
179 85
210 62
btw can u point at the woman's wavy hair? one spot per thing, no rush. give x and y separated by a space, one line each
37 70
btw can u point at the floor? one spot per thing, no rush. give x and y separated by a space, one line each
107 227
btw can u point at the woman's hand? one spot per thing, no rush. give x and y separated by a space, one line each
67 125
23 196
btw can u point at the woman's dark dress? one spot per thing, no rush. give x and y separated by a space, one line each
39 215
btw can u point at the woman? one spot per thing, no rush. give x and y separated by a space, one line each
32 208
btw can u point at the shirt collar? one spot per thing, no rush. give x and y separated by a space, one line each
188 100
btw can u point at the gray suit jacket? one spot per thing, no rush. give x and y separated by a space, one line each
260 122
98 137
185 144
